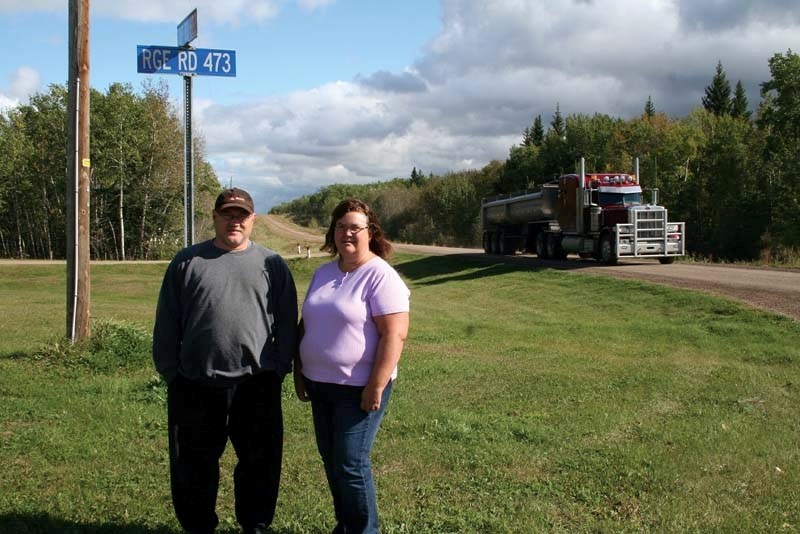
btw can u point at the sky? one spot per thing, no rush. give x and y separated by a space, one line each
359 91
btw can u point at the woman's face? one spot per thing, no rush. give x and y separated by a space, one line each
351 233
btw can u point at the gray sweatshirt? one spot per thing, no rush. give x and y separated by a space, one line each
223 316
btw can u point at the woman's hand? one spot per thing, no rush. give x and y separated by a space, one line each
299 382
300 385
371 398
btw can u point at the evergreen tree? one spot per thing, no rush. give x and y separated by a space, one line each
717 99
649 108
526 137
557 124
735 214
739 102
537 132
417 177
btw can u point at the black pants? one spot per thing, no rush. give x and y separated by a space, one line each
201 419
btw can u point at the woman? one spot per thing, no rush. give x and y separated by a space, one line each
355 322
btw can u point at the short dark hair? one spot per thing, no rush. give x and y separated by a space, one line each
377 241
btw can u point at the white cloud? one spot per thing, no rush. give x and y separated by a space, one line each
24 82
311 5
7 103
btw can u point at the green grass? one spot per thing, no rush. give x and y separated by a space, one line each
527 401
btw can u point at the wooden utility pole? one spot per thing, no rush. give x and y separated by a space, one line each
78 172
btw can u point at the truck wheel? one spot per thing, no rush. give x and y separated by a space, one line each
541 245
502 244
487 242
607 253
554 250
665 261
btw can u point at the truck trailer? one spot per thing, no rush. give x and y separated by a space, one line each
598 215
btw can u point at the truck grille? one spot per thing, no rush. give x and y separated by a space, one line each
646 235
650 224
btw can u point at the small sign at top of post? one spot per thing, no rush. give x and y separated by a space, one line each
187 29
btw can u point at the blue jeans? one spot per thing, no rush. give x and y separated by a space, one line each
345 434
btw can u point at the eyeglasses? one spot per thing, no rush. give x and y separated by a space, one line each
350 229
234 216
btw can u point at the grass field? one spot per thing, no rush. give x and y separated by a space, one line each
527 401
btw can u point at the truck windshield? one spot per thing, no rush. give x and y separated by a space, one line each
620 199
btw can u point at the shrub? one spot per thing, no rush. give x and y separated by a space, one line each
113 345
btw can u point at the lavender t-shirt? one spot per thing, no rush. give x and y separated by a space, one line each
340 337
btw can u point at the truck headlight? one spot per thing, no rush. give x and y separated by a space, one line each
672 228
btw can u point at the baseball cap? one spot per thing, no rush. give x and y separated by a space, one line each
234 198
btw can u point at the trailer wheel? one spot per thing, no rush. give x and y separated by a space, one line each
666 261
541 246
501 244
508 245
607 253
496 243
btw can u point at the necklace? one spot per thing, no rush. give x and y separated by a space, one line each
340 281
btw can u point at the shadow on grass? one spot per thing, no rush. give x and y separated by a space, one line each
45 524
459 267
443 269
16 354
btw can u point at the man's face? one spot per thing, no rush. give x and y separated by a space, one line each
232 227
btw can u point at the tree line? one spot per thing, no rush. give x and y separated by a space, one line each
730 174
137 175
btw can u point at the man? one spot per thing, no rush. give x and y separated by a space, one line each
224 338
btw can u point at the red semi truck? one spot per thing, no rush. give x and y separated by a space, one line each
600 215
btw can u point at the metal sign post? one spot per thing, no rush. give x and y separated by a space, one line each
187 62
188 148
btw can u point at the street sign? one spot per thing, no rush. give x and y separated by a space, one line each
184 61
187 29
